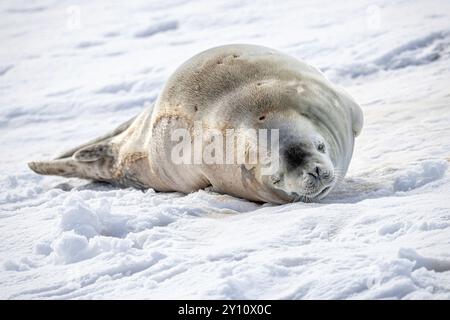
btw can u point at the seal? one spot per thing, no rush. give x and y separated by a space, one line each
230 87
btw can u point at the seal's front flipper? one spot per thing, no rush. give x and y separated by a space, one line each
94 153
357 119
120 129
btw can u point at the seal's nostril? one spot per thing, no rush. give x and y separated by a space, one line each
318 171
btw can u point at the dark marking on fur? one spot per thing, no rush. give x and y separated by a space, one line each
125 172
295 155
247 176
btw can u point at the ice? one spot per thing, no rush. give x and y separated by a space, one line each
71 72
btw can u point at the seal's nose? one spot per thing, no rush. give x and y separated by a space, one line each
316 173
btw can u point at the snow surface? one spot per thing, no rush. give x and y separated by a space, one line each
384 233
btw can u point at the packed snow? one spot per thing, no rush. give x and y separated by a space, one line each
73 70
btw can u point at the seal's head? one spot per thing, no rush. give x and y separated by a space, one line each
305 170
316 129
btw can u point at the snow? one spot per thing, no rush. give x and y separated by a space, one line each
71 71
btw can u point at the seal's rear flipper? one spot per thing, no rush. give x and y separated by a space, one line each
62 167
93 160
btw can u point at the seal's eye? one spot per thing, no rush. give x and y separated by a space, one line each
321 147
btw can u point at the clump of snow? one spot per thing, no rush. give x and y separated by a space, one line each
435 264
80 218
71 247
420 175
381 234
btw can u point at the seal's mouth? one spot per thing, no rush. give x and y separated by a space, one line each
323 192
314 196
317 193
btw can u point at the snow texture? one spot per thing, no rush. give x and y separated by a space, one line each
70 71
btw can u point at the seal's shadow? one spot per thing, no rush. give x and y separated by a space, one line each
352 190
89 186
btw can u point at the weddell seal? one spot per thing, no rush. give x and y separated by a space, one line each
212 103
